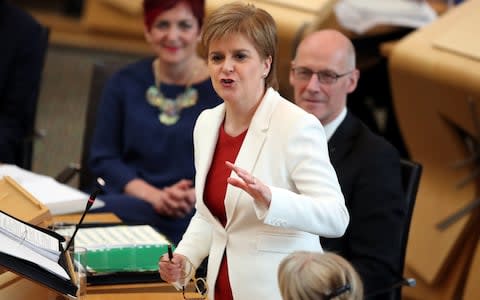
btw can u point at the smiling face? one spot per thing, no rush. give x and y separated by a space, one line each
328 51
237 70
174 34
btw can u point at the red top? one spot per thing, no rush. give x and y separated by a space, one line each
214 196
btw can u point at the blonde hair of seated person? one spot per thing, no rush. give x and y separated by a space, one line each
306 275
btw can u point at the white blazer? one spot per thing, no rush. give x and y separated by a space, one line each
285 148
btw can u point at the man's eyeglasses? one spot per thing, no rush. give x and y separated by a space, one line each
326 77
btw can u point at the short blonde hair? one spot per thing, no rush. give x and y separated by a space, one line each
254 23
306 275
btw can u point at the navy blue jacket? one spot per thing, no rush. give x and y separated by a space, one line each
130 142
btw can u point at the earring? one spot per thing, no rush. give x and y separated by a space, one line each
264 75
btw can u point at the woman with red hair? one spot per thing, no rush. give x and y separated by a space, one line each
142 145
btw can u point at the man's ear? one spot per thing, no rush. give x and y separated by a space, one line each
290 73
352 80
290 78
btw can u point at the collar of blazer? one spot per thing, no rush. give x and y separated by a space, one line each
343 138
206 137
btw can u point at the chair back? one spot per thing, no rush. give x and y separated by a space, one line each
411 174
102 71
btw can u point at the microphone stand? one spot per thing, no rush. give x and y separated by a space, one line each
90 202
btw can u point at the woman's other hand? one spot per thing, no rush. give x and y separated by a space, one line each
180 197
175 201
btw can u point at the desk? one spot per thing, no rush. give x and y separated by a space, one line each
13 287
153 291
429 86
90 217
24 289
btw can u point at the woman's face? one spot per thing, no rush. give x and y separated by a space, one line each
237 70
174 34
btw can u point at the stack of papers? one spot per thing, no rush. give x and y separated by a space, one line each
360 16
118 236
29 237
121 248
59 198
25 242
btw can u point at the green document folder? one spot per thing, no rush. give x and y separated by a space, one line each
125 259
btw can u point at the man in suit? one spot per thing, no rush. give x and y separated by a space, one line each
21 63
368 167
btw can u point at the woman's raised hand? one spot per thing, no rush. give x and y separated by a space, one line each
250 184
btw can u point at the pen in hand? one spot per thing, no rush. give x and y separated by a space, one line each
170 252
170 256
176 284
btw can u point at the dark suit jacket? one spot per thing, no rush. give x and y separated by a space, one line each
21 63
368 169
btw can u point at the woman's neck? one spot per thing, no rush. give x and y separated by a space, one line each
235 123
184 73
238 116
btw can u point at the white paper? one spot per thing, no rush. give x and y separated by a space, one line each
27 233
19 250
118 236
24 233
59 198
361 15
28 243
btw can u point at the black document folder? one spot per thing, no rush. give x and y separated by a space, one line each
39 271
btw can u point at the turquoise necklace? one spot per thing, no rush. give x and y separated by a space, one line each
170 109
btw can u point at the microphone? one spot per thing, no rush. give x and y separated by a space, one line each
91 200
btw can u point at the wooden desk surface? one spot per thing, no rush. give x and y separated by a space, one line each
25 289
133 291
89 217
69 31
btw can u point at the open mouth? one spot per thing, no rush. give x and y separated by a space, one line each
228 83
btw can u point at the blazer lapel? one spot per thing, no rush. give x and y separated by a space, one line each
208 144
341 141
251 147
